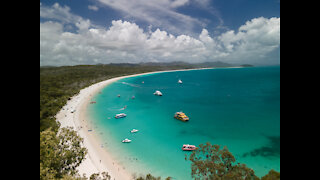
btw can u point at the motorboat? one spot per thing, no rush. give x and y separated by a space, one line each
158 93
181 116
188 147
121 115
126 140
134 130
180 82
133 97
118 95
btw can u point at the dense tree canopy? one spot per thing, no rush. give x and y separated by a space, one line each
272 175
210 162
60 154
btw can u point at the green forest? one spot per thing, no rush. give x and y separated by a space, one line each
61 153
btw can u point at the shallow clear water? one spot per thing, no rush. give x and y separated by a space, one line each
236 107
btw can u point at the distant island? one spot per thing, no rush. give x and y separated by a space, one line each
246 65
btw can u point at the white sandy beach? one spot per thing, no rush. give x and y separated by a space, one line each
98 160
78 120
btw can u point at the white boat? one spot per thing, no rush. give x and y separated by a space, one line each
188 147
158 93
134 130
180 82
126 140
121 115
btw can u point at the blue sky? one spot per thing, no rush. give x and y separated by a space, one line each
104 31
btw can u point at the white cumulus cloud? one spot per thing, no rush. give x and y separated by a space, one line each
125 41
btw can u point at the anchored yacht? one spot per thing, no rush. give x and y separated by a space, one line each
181 116
187 147
126 140
121 115
158 93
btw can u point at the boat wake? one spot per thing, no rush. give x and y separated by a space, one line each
117 108
123 108
129 84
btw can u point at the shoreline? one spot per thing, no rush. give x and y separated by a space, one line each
97 160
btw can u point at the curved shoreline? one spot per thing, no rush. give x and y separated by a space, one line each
98 160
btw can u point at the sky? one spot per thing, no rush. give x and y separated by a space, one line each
74 32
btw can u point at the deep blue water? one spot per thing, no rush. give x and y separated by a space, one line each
234 107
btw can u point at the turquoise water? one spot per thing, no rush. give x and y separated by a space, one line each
234 107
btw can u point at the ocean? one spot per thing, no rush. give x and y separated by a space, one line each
234 107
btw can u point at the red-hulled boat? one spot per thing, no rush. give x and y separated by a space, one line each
187 147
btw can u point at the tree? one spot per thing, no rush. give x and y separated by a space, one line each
212 163
149 177
96 176
60 154
272 175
